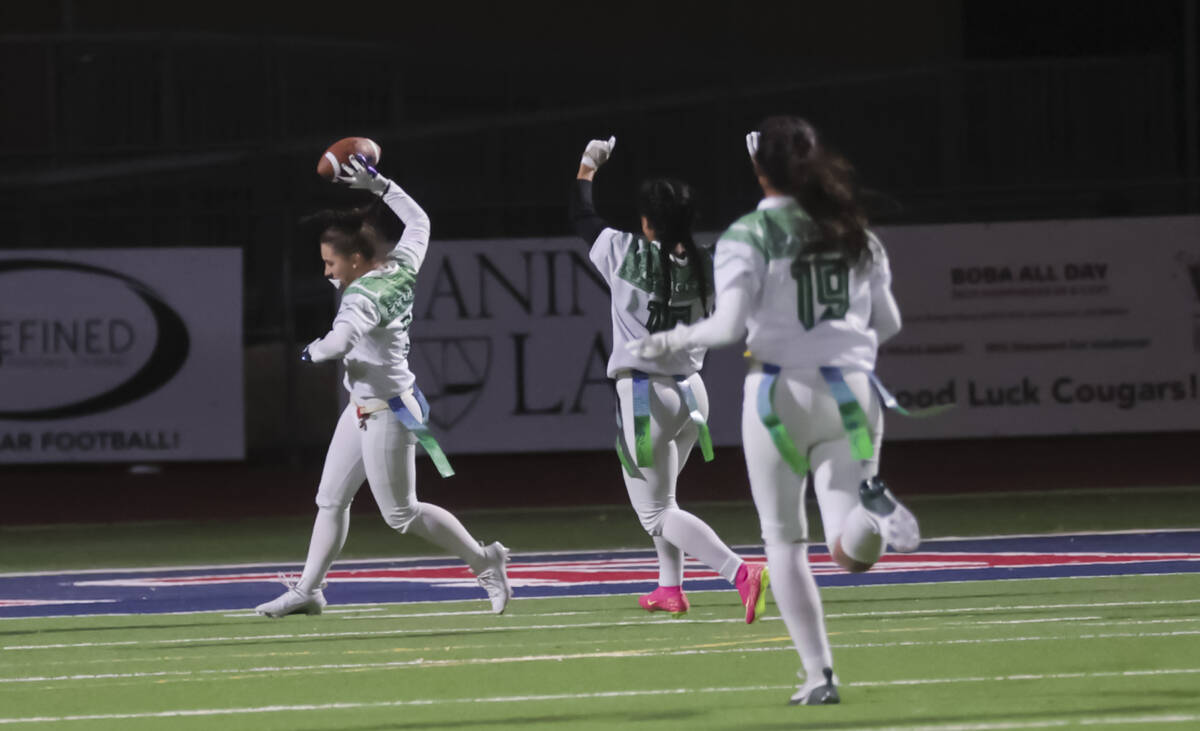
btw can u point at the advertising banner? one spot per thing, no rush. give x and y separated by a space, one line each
121 355
1056 327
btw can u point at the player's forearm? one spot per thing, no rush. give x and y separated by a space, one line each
586 223
885 315
416 221
336 344
726 326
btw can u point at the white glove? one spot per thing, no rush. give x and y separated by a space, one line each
597 151
660 343
358 174
752 143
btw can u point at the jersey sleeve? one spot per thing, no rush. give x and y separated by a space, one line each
885 313
415 241
739 261
881 268
586 223
609 250
355 317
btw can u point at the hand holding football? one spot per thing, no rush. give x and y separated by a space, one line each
338 154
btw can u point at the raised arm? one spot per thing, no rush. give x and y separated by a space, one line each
415 241
586 223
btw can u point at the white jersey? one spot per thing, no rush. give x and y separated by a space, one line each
380 304
370 331
807 312
631 266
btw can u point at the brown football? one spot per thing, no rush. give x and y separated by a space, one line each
339 152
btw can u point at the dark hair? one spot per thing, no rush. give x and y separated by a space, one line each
821 180
668 205
364 230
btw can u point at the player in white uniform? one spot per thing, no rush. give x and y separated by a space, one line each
810 288
662 403
376 436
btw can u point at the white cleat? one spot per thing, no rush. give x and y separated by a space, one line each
897 524
494 578
293 601
817 691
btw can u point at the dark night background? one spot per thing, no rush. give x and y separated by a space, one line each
137 124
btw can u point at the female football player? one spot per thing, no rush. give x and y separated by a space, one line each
658 279
810 288
387 415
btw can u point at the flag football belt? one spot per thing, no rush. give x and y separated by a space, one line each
854 419
406 406
890 402
643 446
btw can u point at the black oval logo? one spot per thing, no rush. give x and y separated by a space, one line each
169 354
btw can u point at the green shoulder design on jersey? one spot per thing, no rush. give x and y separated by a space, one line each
391 293
777 233
642 268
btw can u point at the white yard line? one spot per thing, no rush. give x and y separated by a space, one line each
591 625
1026 724
1134 721
366 633
584 595
505 627
1041 620
1001 640
558 658
1003 608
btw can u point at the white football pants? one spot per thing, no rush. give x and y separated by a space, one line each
652 492
807 408
810 413
384 454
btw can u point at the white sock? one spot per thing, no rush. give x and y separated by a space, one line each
442 529
860 536
329 535
696 538
796 595
670 562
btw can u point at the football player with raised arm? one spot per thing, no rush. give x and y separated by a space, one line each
376 436
658 279
808 286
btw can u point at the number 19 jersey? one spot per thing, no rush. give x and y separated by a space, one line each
805 312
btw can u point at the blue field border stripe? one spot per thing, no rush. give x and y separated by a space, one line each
242 595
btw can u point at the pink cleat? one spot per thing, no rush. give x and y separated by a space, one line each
665 599
752 582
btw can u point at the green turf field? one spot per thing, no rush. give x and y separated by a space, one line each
1113 652
1120 652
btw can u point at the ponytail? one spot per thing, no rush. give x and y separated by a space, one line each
699 271
668 206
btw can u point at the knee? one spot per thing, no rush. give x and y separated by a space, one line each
332 502
400 518
841 558
779 534
652 519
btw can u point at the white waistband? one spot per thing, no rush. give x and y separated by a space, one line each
372 405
